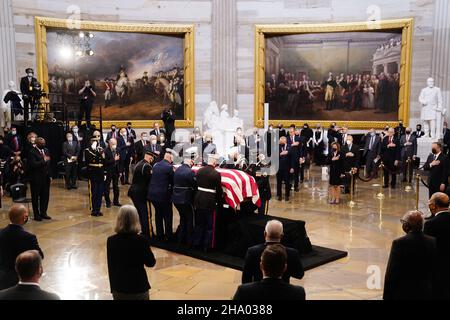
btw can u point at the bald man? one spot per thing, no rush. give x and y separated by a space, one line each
273 234
439 227
29 269
13 241
412 262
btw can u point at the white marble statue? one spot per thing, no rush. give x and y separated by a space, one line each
5 110
211 117
432 111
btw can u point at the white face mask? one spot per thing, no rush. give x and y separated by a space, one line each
145 138
113 147
32 140
153 141
94 145
75 130
30 75
349 142
161 139
70 139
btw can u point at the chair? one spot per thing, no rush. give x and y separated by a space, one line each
19 194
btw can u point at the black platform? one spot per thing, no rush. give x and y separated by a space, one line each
237 232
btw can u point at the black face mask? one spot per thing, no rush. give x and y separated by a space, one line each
419 129
408 132
434 151
113 129
192 140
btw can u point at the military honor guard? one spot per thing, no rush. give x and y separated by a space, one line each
207 198
142 176
95 161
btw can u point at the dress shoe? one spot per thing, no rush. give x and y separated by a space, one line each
100 214
108 205
118 204
74 187
385 186
37 218
287 199
46 217
279 199
296 189
94 214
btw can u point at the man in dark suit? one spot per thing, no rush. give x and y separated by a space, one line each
14 141
122 149
350 154
400 130
183 198
168 118
273 265
142 176
446 138
71 150
207 198
390 155
159 193
129 155
140 146
114 133
255 144
13 241
157 130
131 134
439 227
40 179
79 138
437 165
273 234
27 87
371 151
297 150
112 171
281 131
418 133
29 268
285 169
408 145
410 273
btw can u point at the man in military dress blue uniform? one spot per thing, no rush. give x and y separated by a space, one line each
95 160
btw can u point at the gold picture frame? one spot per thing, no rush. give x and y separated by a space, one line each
406 27
187 30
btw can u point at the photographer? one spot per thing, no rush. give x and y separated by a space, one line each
87 96
168 118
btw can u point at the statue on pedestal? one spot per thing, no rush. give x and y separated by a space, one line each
10 104
432 111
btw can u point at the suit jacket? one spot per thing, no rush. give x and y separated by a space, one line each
375 147
9 141
25 85
161 130
184 185
122 148
13 241
438 174
439 227
252 271
284 162
69 151
110 135
131 134
139 148
269 289
142 175
390 154
161 185
111 165
411 268
446 137
208 178
350 162
38 168
127 254
27 292
418 134
410 150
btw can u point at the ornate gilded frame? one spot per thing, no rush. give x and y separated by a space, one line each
406 25
42 23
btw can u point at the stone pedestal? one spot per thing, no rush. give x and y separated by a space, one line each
424 148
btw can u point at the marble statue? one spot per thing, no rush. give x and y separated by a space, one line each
6 107
211 117
432 111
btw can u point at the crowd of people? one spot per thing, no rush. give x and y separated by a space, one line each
291 93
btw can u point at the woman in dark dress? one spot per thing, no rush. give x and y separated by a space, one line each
336 172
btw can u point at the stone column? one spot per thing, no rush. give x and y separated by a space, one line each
440 64
224 38
7 45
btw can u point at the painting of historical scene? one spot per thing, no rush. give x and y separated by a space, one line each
135 75
340 76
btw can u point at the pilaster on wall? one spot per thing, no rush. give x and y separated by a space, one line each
440 68
8 45
224 82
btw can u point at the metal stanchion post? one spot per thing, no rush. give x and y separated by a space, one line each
417 190
351 204
408 187
380 195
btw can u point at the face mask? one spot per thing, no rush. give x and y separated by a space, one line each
349 142
334 149
113 129
408 131
162 139
70 139
372 134
14 132
30 74
75 130
94 145
270 128
113 147
192 140
129 127
418 129
434 151
153 141
305 127
145 138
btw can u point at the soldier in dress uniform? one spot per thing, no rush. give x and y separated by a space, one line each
95 160
209 195
142 175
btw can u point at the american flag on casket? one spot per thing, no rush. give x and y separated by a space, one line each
237 186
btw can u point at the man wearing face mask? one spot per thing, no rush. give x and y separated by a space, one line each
372 151
437 165
412 265
122 147
78 137
408 144
27 85
399 130
350 154
95 160
141 146
418 133
390 154
71 150
40 179
112 159
281 131
154 146
112 134
269 140
13 241
14 141
87 97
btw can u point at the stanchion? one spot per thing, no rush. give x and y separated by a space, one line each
351 204
380 195
408 187
417 190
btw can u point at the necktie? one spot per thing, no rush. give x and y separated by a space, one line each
16 144
42 153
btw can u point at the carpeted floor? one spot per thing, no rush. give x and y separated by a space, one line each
318 256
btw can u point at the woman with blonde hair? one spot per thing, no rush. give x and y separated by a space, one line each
127 252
